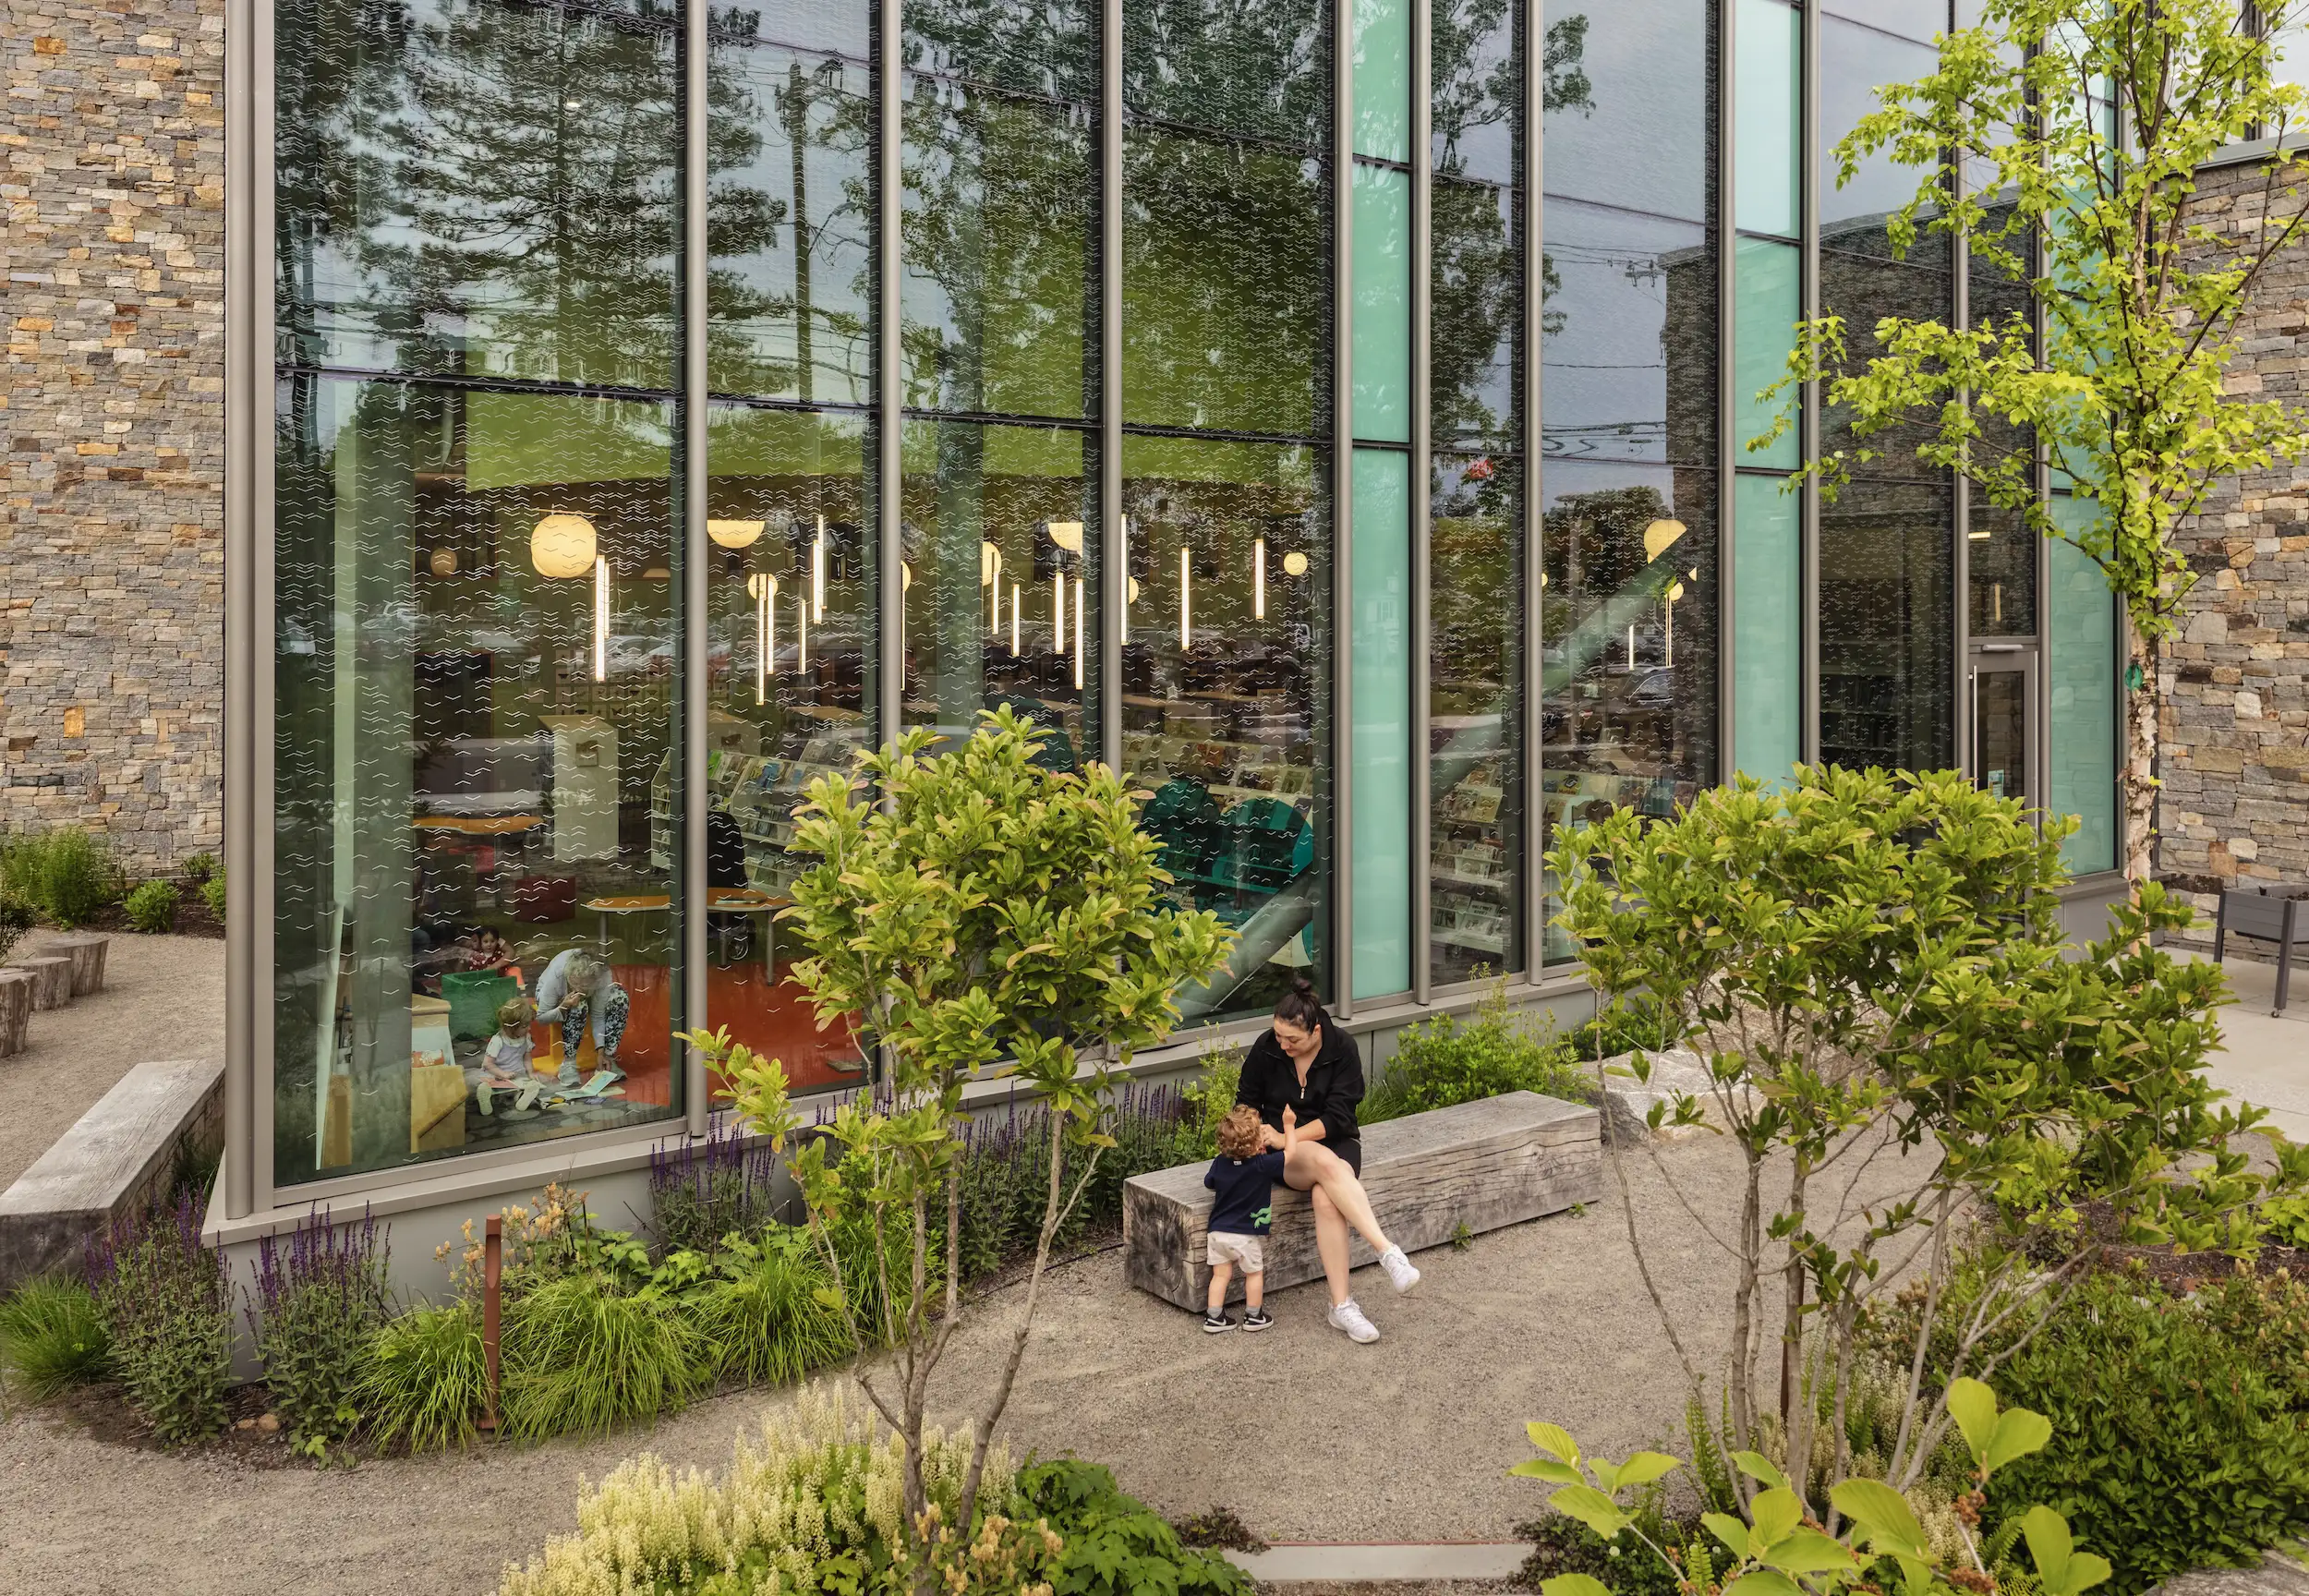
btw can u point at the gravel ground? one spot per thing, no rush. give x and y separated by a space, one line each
1408 1440
163 998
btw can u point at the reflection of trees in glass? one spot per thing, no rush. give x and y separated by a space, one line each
1258 67
1594 544
1227 285
1564 86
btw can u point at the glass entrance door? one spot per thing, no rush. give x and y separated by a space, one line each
2003 736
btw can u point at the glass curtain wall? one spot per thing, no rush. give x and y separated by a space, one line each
1629 353
477 214
1475 492
1768 211
1225 639
1887 563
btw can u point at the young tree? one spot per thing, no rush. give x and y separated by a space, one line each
2060 139
1913 1064
969 908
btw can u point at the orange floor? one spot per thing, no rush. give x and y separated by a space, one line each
774 1020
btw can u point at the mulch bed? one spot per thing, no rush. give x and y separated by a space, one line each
105 1413
2186 1271
193 919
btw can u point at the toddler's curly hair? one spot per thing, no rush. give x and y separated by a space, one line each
514 1011
1238 1132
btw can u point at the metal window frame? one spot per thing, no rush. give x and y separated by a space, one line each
1727 464
1342 860
1114 575
1808 428
888 376
1421 505
695 697
1534 466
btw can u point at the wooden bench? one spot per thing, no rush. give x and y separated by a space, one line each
1481 1164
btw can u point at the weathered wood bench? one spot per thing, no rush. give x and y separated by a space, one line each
115 1160
1481 1164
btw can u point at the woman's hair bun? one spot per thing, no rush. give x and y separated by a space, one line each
1299 1005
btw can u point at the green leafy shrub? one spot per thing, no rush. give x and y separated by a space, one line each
213 894
812 1501
200 868
2174 1445
52 1336
16 918
1209 1096
67 875
1006 1172
1115 1544
702 1189
768 1319
316 1309
168 1310
581 1356
152 908
425 1381
1447 1059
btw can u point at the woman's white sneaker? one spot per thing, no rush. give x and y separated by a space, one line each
1400 1270
1348 1317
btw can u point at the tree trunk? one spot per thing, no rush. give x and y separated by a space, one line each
51 980
2137 780
16 1009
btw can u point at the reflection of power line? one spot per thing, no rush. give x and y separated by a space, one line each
1606 365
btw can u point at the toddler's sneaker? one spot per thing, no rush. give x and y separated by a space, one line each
1400 1270
1257 1319
1349 1318
1216 1323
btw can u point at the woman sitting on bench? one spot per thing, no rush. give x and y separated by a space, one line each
1306 1063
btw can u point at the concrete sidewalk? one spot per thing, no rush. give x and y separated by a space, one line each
2265 1060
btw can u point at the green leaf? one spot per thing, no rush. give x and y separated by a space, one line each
1553 1439
1973 1406
1774 1513
1548 1468
2018 1433
1592 1508
2054 1550
1574 1584
1644 1467
1728 1529
1883 1512
1763 1583
1756 1466
1809 1551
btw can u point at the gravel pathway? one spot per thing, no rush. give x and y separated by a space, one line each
163 998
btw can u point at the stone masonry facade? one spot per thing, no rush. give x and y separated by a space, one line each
112 162
2234 732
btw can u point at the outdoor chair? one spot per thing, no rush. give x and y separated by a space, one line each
2279 914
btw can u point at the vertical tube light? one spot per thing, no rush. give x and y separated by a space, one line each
1058 612
1078 633
801 631
1017 594
1186 582
817 572
1122 611
1259 578
600 618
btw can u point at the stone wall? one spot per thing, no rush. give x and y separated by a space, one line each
2235 728
111 413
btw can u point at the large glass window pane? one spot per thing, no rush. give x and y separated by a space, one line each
1629 106
1381 652
1769 42
478 187
1475 316
1226 299
2001 572
475 670
790 140
1886 634
1855 58
2082 660
1765 305
1261 72
1225 693
1767 629
1630 336
1001 210
790 585
1477 86
1630 627
1001 574
1383 83
1864 289
1475 698
1383 304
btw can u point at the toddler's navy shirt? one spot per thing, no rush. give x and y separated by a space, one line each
1245 1187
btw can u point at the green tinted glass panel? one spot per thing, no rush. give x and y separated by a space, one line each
1764 313
1768 683
1381 652
1383 85
1383 304
2083 677
1767 40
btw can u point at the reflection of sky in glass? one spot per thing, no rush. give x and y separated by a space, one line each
1853 59
845 30
1643 145
1605 396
